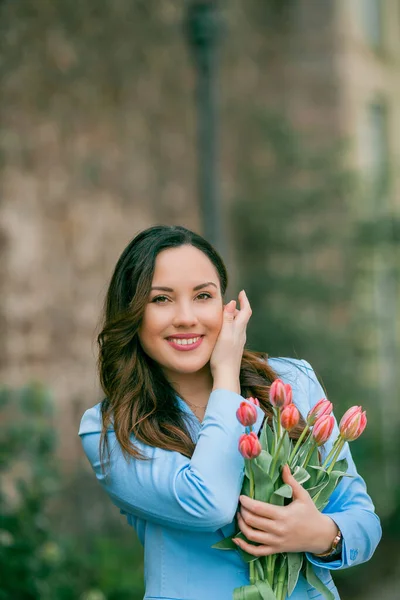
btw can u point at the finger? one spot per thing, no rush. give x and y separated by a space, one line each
229 311
261 550
262 509
244 303
298 491
261 523
254 535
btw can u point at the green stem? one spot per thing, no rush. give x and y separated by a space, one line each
293 453
335 456
280 590
332 452
252 573
275 459
329 457
270 568
331 466
278 423
309 454
260 571
252 566
251 479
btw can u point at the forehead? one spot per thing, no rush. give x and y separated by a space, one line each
184 265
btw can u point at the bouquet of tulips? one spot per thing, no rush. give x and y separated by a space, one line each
275 576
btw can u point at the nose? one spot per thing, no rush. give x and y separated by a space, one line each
185 315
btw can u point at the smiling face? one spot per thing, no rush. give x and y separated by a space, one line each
183 316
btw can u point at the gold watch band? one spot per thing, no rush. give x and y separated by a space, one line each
335 543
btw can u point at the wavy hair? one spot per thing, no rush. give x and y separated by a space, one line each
140 402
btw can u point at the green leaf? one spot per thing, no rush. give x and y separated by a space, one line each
250 592
342 466
245 491
301 475
264 460
238 593
316 582
265 590
334 479
286 448
225 544
311 484
263 485
247 465
285 491
295 561
267 437
263 436
248 558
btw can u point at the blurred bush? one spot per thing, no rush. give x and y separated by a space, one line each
37 560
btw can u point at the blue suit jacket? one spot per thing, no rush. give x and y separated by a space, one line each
180 507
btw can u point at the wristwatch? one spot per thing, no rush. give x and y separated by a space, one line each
335 548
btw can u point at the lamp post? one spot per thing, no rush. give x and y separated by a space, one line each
203 30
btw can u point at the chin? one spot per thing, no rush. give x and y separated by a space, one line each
190 367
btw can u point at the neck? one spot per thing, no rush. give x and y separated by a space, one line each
193 387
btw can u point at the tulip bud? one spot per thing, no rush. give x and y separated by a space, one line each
246 414
253 401
323 428
290 417
323 407
280 394
353 423
249 445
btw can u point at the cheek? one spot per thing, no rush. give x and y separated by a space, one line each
216 320
152 324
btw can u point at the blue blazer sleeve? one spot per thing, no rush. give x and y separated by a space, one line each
350 505
200 493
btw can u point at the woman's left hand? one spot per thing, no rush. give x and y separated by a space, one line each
297 527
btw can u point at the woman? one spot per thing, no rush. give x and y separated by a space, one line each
164 442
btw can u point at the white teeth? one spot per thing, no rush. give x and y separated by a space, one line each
184 342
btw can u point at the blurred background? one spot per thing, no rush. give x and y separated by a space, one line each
270 126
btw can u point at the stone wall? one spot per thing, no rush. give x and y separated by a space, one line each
99 141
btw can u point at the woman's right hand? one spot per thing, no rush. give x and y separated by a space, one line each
227 355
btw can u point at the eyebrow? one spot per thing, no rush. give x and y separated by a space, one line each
195 289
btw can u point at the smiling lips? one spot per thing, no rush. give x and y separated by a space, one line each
184 342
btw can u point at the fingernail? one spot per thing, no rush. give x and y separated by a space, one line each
235 542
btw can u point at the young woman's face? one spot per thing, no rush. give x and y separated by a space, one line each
183 316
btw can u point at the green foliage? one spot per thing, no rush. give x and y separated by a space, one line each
291 250
39 562
298 250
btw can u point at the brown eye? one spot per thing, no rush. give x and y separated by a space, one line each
160 300
204 296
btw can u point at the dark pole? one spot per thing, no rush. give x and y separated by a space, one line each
203 29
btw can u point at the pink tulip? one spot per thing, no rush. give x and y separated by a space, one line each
323 407
290 417
249 445
253 401
353 423
323 428
246 414
280 394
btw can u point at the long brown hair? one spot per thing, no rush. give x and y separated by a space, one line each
140 401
